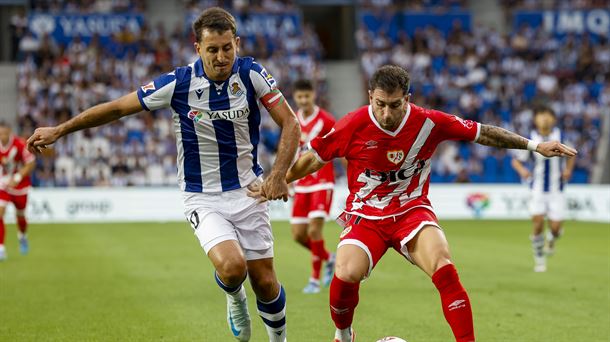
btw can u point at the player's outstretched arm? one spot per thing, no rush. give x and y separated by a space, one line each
95 116
499 137
305 165
275 186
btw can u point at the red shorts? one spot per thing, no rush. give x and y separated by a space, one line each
20 201
311 205
376 236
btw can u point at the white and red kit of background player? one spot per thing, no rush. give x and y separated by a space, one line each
388 177
314 193
13 157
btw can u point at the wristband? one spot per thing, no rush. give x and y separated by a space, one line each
17 177
532 145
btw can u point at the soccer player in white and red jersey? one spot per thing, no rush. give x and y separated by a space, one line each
313 193
16 164
388 146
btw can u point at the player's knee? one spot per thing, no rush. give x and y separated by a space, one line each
264 285
232 271
350 272
300 237
442 258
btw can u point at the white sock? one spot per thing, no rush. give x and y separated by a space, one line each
344 335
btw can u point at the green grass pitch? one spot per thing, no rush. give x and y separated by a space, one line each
152 282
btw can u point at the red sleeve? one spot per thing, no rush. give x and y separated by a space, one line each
334 143
452 127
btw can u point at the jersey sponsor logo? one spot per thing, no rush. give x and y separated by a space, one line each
227 114
235 114
149 86
396 156
268 78
394 176
236 90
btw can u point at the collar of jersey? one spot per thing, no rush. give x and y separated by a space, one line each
402 124
10 143
200 72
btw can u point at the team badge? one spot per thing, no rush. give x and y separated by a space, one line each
396 156
236 90
345 231
150 86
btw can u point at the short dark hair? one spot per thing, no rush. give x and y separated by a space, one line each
214 19
389 78
303 85
539 109
4 124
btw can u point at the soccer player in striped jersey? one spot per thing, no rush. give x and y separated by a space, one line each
217 102
388 146
547 181
314 193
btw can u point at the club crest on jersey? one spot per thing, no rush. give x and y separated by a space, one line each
236 90
195 115
149 86
395 156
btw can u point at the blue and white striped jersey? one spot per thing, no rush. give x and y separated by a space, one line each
216 123
546 175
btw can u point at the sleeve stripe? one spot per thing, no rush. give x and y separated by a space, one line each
478 132
141 99
315 153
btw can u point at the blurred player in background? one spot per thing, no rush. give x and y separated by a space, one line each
313 193
388 146
217 103
546 181
16 164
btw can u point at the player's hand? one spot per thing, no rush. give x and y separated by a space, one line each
275 187
41 138
566 175
255 191
555 149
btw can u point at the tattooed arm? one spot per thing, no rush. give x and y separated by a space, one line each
499 137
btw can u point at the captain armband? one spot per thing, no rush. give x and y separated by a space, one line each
273 99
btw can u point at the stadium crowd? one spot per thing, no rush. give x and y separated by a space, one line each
480 74
56 82
494 78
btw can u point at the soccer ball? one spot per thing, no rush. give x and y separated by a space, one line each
391 339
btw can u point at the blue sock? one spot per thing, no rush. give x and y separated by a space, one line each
273 314
231 290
